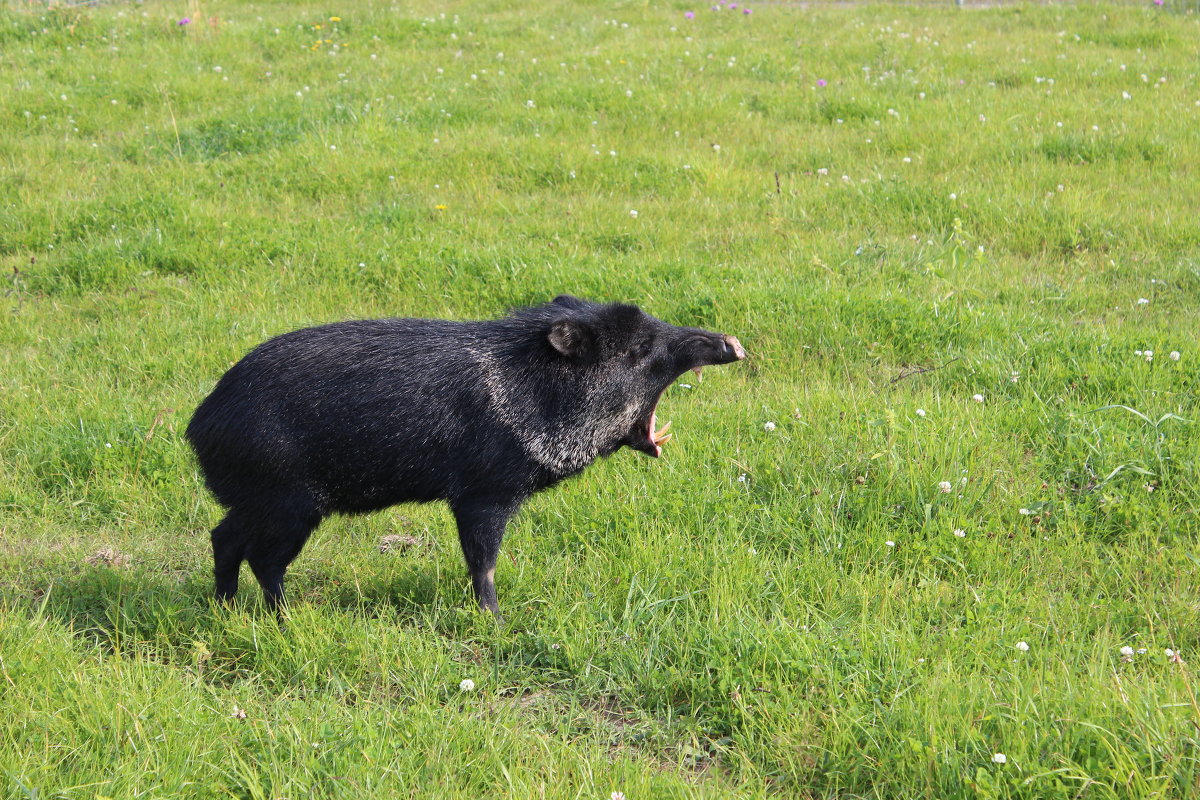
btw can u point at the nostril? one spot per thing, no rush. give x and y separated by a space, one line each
735 347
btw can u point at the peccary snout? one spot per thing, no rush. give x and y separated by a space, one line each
358 416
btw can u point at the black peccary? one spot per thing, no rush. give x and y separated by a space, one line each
357 416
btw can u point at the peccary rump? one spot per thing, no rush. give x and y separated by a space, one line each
357 416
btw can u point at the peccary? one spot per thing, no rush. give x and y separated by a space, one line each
357 416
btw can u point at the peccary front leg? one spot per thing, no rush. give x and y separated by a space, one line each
481 526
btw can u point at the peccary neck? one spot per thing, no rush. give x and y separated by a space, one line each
549 407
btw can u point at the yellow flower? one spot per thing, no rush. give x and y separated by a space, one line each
439 207
316 27
327 41
335 19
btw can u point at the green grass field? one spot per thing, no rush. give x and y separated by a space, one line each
822 588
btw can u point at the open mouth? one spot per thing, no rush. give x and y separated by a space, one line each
648 437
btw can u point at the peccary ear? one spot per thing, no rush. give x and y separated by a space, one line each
568 301
570 337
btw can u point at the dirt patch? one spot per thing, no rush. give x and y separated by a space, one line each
108 557
401 542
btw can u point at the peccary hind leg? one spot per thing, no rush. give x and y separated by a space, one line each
271 541
480 530
229 550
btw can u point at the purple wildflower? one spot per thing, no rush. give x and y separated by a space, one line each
184 21
820 81
689 15
746 11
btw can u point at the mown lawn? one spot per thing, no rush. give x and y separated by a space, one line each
846 577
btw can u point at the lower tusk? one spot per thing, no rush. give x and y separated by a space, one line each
661 432
659 441
699 372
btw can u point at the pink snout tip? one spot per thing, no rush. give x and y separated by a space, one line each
733 344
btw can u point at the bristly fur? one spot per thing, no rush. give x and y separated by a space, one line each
357 416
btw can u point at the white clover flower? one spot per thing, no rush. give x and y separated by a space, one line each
1142 301
1127 650
978 398
1168 652
1024 512
1023 647
890 543
633 213
999 758
768 426
1174 355
617 796
467 685
945 487
960 533
920 412
238 713
1141 651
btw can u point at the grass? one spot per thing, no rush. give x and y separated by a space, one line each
993 192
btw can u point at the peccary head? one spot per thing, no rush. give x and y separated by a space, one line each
624 360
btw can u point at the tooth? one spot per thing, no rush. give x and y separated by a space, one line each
658 434
660 441
699 372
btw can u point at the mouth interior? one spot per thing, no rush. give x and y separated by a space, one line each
648 437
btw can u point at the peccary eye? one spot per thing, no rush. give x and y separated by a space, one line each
642 350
